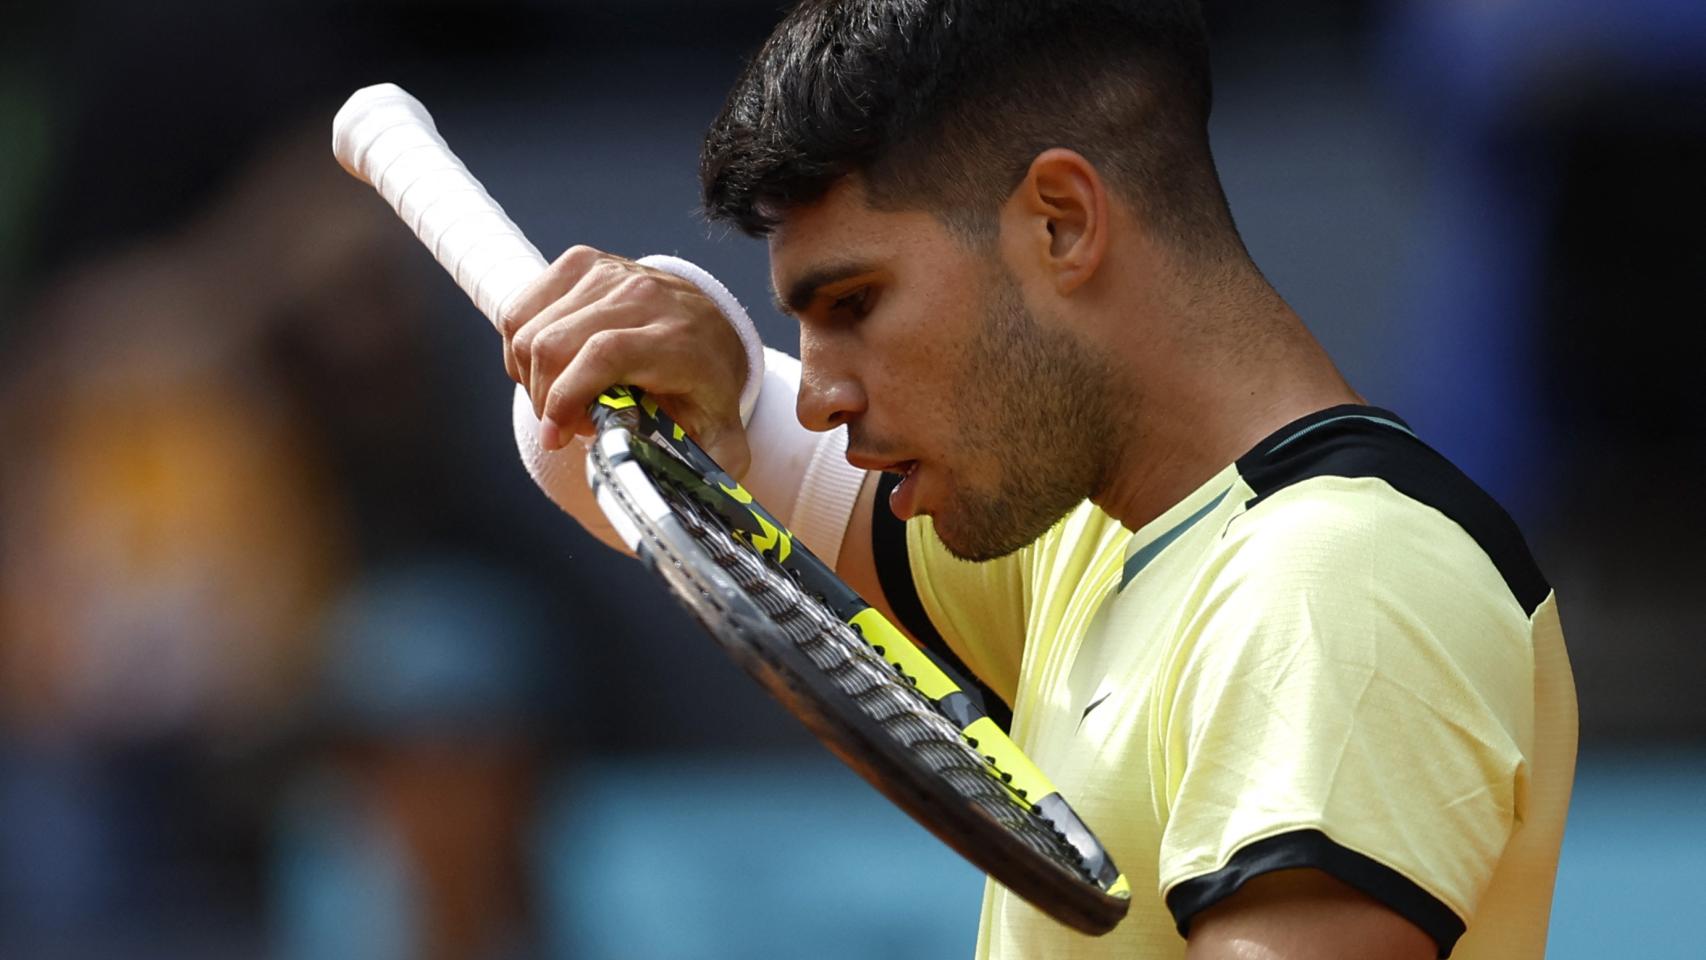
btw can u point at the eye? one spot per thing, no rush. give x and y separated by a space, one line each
853 305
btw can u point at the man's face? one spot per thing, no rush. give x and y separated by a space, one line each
926 349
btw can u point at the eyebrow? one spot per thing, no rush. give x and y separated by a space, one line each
804 289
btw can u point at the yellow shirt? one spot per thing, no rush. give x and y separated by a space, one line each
1336 653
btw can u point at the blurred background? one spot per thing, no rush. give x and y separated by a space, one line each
295 663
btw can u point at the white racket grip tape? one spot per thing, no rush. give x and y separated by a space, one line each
385 137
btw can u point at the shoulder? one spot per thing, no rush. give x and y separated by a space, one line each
1360 548
1352 490
1365 621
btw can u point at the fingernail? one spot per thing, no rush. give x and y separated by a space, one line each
550 435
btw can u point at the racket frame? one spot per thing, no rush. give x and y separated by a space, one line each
636 448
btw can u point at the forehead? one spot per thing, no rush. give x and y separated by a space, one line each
842 228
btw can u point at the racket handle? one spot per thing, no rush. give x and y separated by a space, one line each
385 138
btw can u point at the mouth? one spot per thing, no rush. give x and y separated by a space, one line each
903 499
879 465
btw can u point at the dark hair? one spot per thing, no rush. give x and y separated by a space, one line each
942 104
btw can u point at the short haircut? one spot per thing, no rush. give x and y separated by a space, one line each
941 105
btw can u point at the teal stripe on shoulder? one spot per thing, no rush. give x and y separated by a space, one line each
1137 561
1383 421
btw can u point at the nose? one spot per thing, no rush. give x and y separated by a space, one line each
830 394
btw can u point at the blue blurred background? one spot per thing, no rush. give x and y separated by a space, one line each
295 663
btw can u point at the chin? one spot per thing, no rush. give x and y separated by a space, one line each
988 543
979 528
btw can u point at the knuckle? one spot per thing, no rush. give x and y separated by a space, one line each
572 268
557 394
578 258
522 346
602 348
561 402
607 268
546 345
512 318
556 406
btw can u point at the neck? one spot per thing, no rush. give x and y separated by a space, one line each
1230 373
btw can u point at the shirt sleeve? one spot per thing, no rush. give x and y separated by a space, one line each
1350 693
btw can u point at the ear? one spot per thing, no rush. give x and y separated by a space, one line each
1057 221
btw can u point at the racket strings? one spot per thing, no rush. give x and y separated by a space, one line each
873 684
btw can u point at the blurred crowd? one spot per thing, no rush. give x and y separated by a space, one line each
292 658
234 584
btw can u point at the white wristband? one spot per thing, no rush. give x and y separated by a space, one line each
801 476
733 312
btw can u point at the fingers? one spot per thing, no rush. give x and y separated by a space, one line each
582 276
593 368
583 279
593 320
699 389
637 355
560 278
550 350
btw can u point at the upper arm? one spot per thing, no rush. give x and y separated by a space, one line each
1304 915
1352 697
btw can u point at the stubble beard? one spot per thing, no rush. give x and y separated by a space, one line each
1037 430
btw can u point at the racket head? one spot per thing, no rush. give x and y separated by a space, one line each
737 571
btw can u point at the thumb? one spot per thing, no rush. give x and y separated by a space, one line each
726 444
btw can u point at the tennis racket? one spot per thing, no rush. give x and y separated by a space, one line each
880 703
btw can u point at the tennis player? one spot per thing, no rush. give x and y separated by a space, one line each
1295 669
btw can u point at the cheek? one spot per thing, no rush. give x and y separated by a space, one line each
918 343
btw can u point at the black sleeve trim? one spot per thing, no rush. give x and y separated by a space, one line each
1357 441
894 575
1314 849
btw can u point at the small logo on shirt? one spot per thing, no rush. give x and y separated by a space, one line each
1093 705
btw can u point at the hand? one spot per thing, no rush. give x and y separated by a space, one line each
593 320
